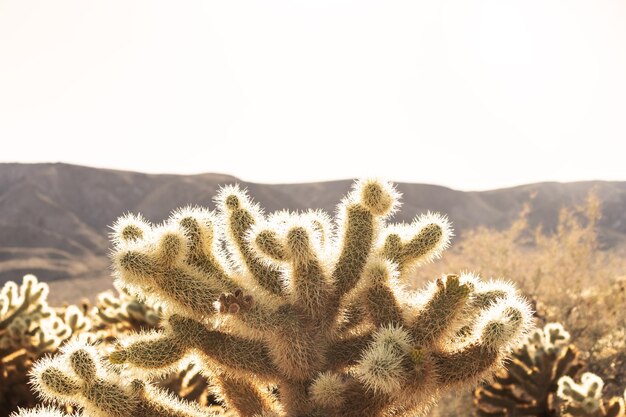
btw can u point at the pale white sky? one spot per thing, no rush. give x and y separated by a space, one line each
471 94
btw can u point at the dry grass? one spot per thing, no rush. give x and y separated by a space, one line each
566 275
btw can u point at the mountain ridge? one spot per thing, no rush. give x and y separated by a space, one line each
55 217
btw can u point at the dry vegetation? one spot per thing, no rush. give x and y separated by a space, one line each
567 276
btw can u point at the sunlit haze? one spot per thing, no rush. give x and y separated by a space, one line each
467 94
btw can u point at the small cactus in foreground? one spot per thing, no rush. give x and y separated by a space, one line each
585 399
77 376
292 315
528 384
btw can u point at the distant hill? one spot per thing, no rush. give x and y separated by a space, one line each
54 218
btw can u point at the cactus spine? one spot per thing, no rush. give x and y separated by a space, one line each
314 308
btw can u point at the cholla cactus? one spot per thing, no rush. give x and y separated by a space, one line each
26 319
27 322
528 384
585 399
316 309
292 315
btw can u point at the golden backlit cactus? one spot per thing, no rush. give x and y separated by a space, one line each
314 308
292 314
26 320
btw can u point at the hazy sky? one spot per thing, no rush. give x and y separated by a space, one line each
472 94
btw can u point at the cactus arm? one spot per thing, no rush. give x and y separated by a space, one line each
615 408
465 364
380 300
443 307
42 411
242 396
358 401
296 398
241 356
361 214
421 241
357 242
239 216
154 402
15 313
501 325
150 352
352 315
269 244
180 285
567 363
383 305
309 280
204 246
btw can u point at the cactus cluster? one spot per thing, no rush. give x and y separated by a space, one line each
121 312
585 399
32 328
26 320
291 314
29 328
528 384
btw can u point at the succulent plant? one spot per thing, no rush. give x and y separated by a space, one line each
294 315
